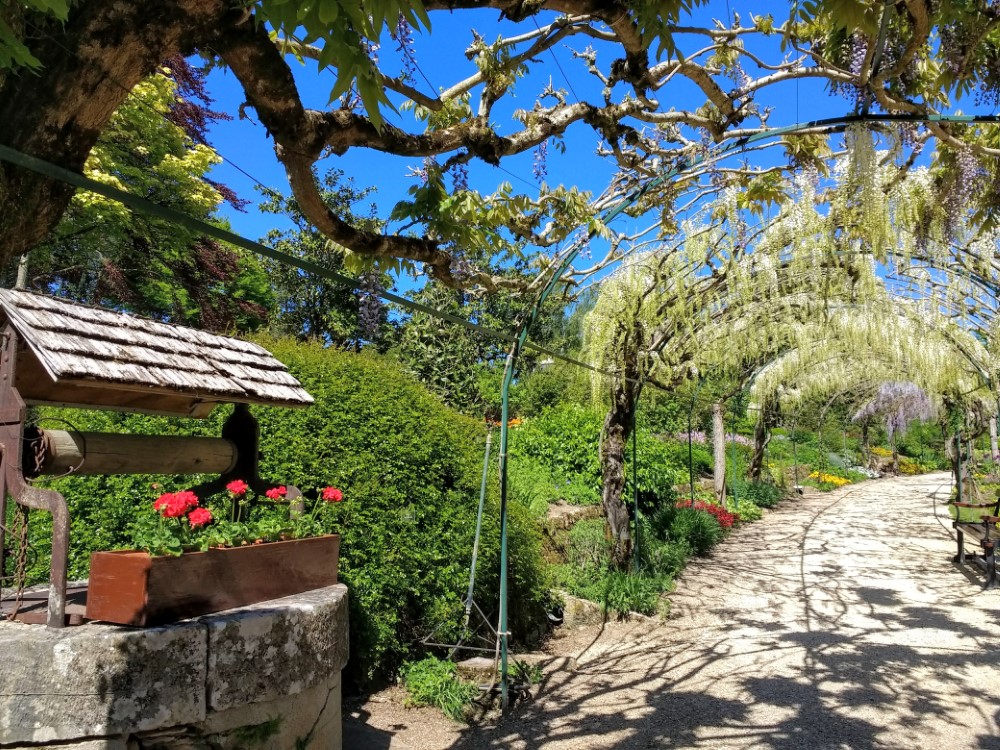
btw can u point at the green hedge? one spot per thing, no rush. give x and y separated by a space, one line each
410 471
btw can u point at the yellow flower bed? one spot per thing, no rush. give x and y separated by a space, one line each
910 467
883 452
823 478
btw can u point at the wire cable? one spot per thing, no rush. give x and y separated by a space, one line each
558 65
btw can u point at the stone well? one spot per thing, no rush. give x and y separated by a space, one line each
263 676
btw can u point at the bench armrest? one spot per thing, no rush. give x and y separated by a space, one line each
991 519
973 505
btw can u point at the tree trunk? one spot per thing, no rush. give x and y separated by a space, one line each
617 430
866 450
952 449
719 452
994 451
959 466
761 437
89 65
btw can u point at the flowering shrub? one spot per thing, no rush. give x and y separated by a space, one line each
724 517
182 524
697 436
829 479
909 466
881 452
864 471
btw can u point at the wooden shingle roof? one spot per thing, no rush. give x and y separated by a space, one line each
86 356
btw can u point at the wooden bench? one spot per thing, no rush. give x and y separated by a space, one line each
985 532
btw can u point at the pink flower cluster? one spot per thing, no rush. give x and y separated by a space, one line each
723 516
180 504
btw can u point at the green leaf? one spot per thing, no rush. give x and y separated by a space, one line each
328 11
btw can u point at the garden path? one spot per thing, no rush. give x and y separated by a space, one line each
836 622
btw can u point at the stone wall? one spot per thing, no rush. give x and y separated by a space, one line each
265 676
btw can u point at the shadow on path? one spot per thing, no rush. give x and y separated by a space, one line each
830 624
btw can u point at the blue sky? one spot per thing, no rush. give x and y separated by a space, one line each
245 144
441 61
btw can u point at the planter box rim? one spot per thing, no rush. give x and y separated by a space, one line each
210 549
132 587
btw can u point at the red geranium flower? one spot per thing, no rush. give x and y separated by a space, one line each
199 517
332 495
188 498
162 500
276 493
175 507
238 487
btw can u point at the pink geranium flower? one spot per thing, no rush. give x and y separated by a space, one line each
276 493
332 495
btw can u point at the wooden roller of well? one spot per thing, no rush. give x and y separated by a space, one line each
62 452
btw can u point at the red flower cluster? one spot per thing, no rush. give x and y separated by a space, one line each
176 504
238 487
332 495
179 504
199 517
723 516
276 493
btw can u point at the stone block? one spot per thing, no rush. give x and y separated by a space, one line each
580 612
98 680
275 649
104 743
311 718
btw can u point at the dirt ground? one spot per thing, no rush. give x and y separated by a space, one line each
839 621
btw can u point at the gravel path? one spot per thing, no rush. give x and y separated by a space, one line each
838 621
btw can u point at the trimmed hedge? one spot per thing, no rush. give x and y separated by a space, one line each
410 470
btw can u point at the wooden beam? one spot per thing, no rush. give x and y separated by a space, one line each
107 453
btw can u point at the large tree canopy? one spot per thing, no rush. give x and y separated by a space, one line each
66 67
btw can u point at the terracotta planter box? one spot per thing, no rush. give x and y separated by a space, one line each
134 588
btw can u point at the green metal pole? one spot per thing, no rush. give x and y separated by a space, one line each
732 476
502 620
694 400
690 453
795 458
635 487
479 527
958 453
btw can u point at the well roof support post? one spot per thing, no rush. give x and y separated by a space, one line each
242 430
12 412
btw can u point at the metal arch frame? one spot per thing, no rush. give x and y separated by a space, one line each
606 217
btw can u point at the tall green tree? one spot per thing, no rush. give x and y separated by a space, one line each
465 367
103 254
314 307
